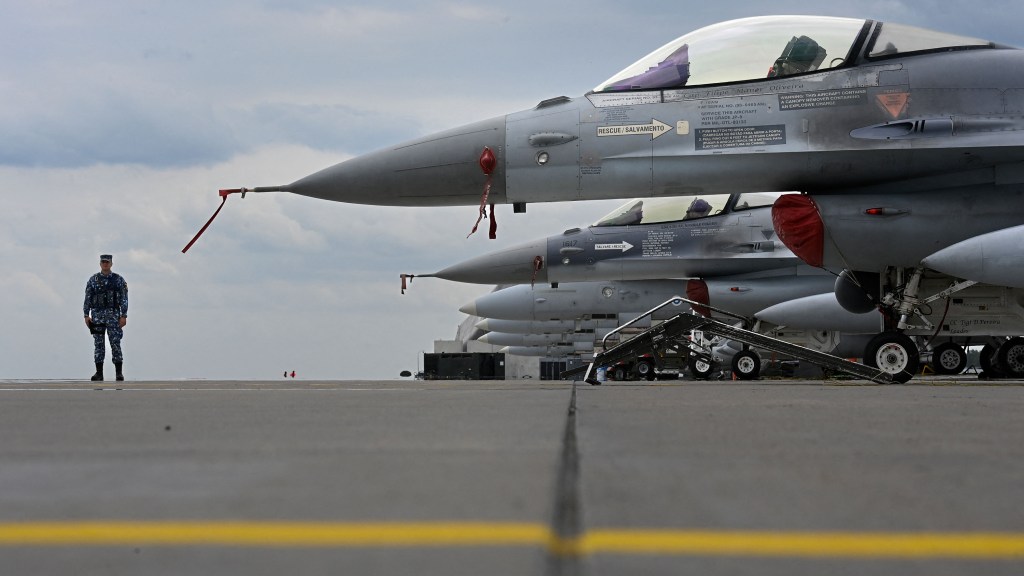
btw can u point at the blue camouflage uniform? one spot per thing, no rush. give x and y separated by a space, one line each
106 301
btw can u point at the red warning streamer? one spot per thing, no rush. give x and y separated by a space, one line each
538 264
223 198
487 163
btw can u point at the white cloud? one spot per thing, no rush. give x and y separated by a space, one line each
29 291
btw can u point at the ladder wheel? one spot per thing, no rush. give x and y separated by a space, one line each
746 365
701 369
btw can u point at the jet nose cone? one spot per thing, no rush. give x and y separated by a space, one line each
512 303
439 170
516 265
820 312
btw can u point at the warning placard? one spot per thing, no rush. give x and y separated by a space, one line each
822 99
894 103
741 137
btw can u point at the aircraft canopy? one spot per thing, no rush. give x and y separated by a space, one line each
772 47
675 208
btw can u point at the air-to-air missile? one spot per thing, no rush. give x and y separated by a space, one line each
541 327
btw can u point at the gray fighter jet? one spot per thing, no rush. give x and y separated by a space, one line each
544 327
644 239
771 103
696 237
743 296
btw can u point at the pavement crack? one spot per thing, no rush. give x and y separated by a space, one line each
566 522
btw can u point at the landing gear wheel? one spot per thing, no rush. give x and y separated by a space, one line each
645 369
746 365
1011 357
949 358
893 353
989 362
701 369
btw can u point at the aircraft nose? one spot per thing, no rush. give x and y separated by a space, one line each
520 264
512 303
443 169
469 309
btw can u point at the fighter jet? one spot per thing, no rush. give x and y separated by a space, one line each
548 327
770 103
676 237
578 299
687 236
695 237
511 339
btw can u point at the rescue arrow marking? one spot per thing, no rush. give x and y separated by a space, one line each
620 246
655 128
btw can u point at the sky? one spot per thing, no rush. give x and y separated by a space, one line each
121 120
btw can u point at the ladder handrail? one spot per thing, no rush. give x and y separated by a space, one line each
676 300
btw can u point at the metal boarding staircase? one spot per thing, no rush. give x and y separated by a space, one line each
673 334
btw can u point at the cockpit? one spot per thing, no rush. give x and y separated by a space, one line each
773 47
678 208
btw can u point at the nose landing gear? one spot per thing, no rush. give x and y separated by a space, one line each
893 353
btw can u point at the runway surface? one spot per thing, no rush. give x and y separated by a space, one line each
512 477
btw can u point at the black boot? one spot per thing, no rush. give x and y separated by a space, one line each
98 376
117 369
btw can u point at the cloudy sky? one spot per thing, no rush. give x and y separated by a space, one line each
121 120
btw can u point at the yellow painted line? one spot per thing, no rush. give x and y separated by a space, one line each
976 545
858 545
283 534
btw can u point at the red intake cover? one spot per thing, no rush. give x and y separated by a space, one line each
487 161
799 226
697 290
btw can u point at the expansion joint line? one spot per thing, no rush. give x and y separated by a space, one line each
566 523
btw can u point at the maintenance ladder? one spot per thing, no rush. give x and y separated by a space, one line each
671 332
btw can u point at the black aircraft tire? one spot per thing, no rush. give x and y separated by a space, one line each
746 365
700 369
949 358
989 362
894 353
1011 357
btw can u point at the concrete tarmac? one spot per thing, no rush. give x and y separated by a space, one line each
512 477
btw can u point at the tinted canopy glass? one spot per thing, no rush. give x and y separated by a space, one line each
738 50
896 39
668 209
